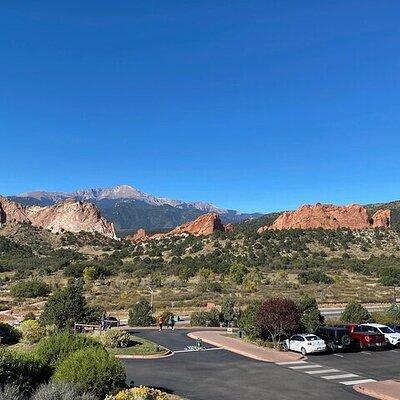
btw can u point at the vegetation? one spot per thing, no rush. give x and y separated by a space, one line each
139 393
141 314
30 288
68 306
60 391
205 318
355 313
115 338
31 331
8 334
92 370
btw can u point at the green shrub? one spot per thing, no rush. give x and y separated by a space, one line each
115 338
311 317
31 331
10 392
92 370
68 306
389 276
247 320
355 313
22 370
56 348
205 318
8 334
141 314
314 277
30 289
60 391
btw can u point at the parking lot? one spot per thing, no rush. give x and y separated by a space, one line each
219 374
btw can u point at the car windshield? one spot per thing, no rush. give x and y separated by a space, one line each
312 337
386 329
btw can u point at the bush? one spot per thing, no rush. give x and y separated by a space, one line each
389 276
311 317
205 318
355 313
92 370
60 391
228 313
278 318
314 277
31 331
22 370
141 314
56 348
68 306
247 320
115 338
139 393
30 289
8 334
10 392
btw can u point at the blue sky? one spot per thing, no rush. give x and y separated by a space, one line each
251 105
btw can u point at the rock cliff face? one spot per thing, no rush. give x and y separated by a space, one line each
328 216
202 226
68 215
12 212
138 236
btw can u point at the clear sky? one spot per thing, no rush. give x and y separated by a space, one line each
252 105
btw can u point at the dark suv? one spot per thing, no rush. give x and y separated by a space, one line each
335 337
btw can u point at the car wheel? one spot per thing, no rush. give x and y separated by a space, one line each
303 351
346 340
285 347
331 347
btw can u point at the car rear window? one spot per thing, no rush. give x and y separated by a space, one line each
386 329
312 337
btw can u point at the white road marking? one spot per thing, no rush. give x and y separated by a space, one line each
338 355
341 376
352 383
322 371
394 351
367 352
306 366
192 350
291 362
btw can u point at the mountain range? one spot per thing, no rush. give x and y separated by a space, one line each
130 208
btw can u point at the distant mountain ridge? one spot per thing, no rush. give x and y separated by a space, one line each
130 209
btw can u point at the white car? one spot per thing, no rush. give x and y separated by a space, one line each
305 343
392 337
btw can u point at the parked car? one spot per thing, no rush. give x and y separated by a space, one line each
335 337
392 337
305 343
363 337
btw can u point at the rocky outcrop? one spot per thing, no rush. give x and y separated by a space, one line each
71 216
138 236
202 226
381 219
328 216
68 215
12 212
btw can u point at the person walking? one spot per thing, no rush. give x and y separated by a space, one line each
171 321
160 323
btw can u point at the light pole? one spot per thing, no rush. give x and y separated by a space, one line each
151 296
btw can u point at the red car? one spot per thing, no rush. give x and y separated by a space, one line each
363 338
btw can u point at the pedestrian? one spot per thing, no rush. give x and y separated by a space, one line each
160 323
171 321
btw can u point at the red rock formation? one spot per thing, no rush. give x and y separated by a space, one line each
12 212
68 215
381 219
138 236
328 216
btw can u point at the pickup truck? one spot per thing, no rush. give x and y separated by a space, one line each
363 338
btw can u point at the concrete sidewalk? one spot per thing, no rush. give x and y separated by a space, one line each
236 345
383 390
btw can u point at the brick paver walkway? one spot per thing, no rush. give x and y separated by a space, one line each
243 348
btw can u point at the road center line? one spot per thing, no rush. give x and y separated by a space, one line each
291 362
367 352
193 351
338 355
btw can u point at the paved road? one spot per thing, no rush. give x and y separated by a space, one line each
217 374
336 312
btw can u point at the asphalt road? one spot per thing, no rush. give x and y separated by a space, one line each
216 374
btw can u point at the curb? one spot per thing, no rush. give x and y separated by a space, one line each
240 352
375 394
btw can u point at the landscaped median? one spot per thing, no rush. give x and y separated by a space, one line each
239 346
383 390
